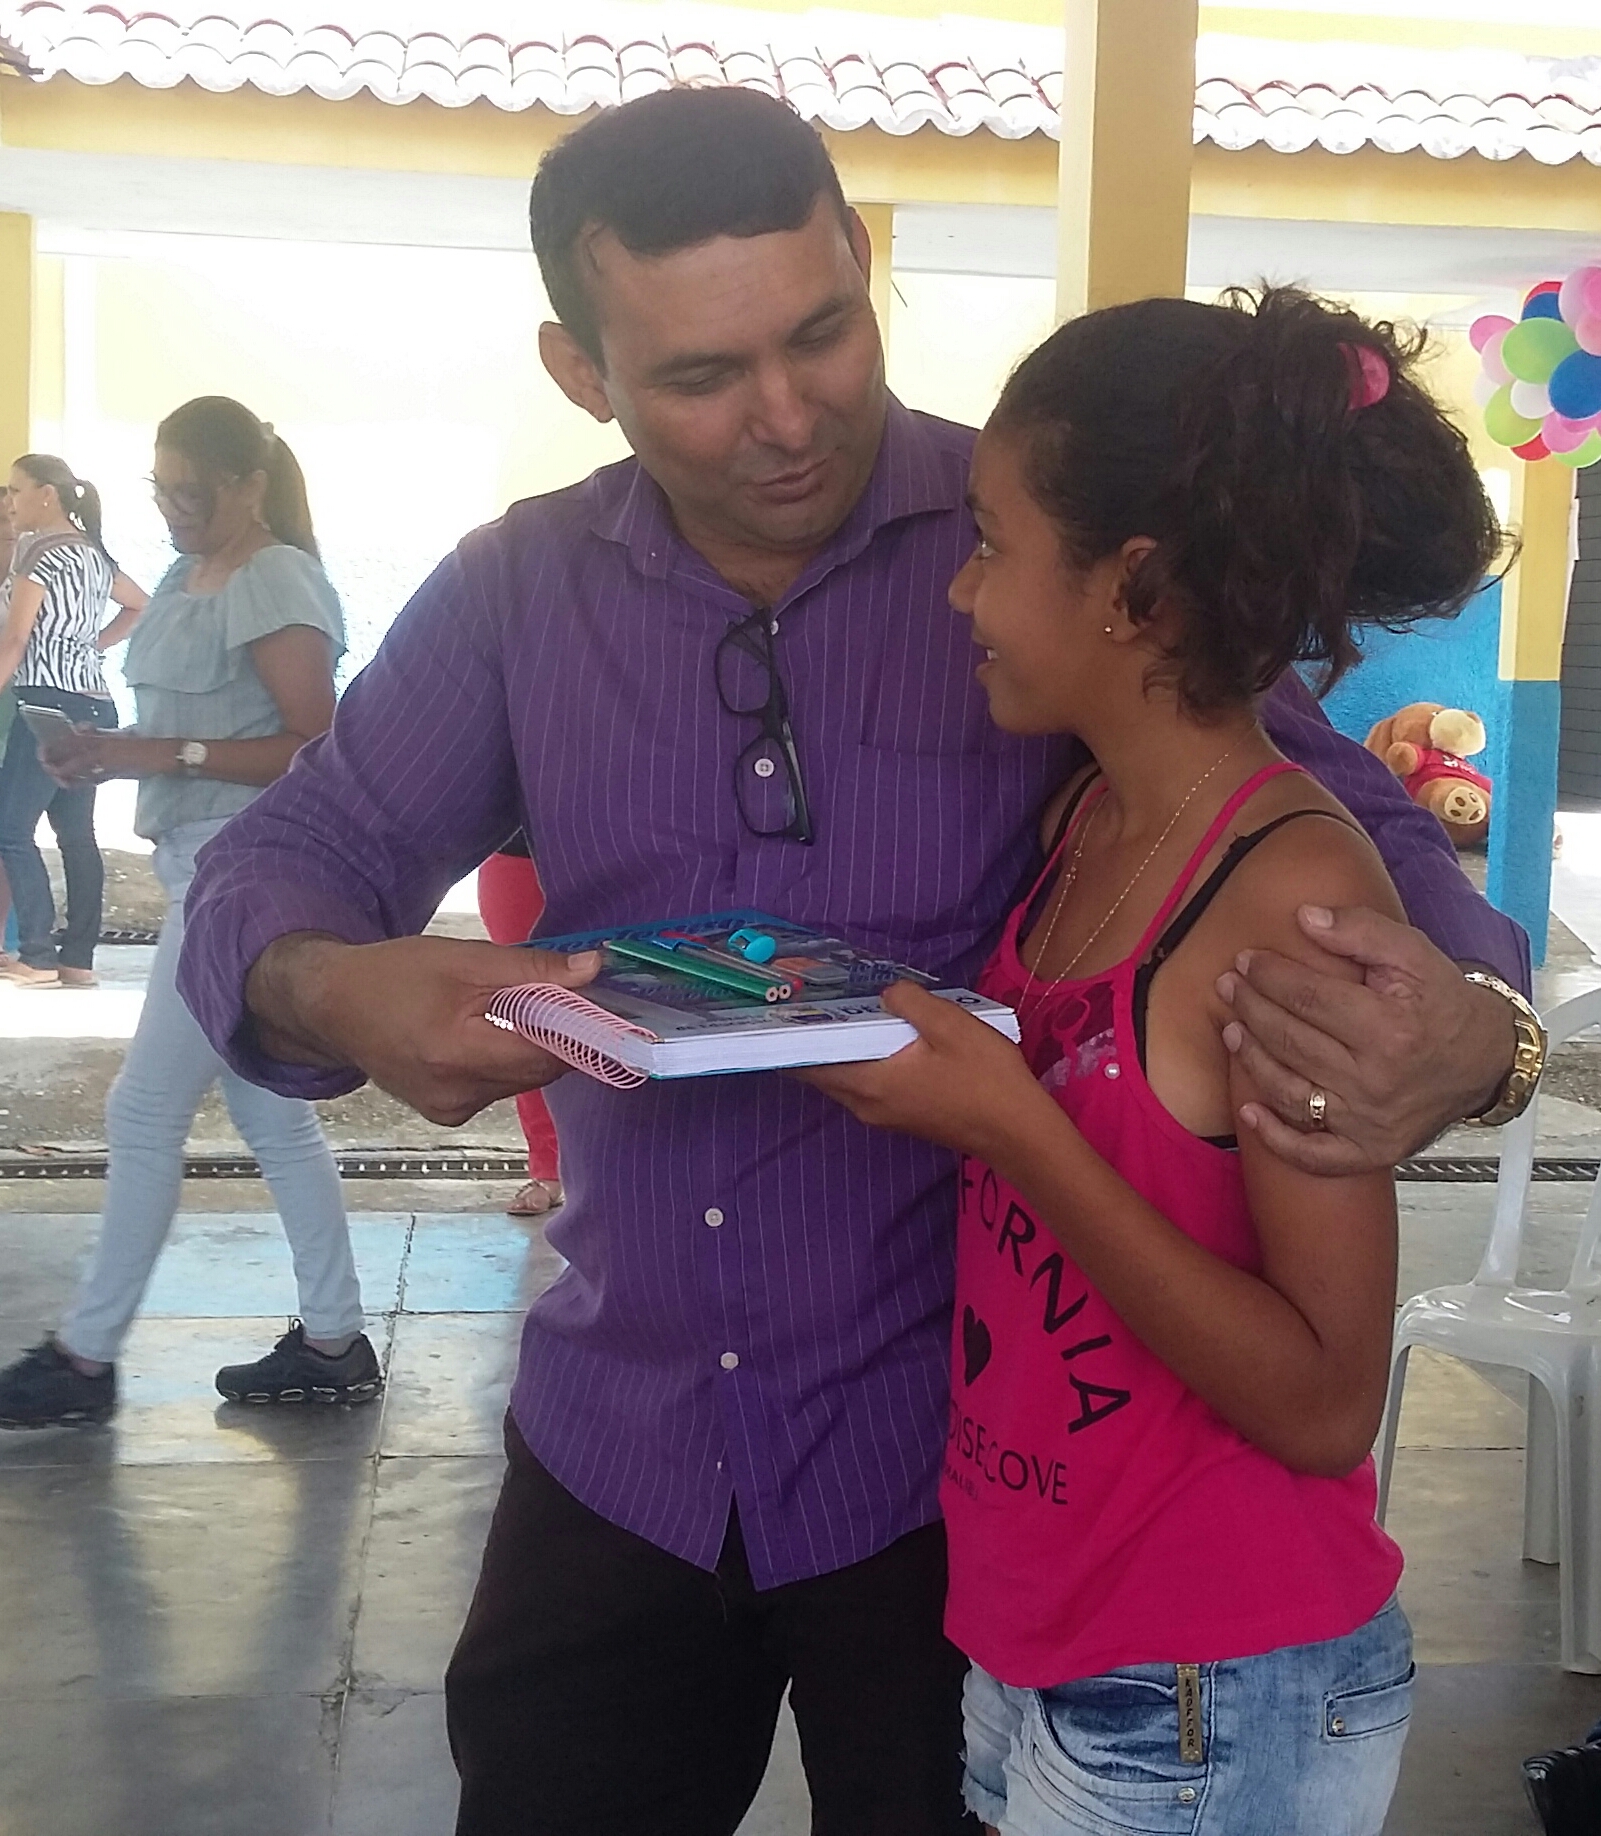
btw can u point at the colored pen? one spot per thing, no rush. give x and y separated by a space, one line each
736 981
727 959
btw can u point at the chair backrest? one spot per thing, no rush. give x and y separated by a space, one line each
1499 1267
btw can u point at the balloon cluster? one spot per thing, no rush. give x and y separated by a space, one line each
1540 387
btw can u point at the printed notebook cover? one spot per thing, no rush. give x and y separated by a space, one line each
832 981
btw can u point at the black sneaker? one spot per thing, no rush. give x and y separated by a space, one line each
1565 1789
293 1373
45 1389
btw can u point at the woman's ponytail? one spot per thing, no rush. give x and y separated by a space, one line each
1297 478
286 509
86 513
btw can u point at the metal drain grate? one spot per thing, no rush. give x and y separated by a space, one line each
487 1163
380 1163
1482 1170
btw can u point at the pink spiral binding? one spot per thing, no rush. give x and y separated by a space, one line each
537 1011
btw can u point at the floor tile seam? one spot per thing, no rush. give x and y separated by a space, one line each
258 1463
76 1698
1459 1447
347 1653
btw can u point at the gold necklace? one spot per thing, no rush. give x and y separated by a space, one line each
1117 904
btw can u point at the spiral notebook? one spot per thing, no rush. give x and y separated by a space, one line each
737 991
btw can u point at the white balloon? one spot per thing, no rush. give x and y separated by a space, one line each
1483 388
1531 399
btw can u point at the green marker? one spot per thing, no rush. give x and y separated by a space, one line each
686 962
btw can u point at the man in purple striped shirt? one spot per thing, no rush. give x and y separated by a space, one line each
725 1431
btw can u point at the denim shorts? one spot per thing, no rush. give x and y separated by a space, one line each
1304 1741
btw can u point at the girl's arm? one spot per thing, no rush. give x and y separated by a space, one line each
1295 1357
27 596
133 599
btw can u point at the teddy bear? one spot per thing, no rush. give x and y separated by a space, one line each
1427 746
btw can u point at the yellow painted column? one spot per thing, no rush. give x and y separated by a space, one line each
1523 764
16 334
879 222
1128 109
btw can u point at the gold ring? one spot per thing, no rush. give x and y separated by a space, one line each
1317 1110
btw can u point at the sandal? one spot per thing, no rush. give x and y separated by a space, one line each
535 1199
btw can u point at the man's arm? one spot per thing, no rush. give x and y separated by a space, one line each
1414 1047
356 844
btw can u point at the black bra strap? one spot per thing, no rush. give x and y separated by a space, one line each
1185 920
1041 885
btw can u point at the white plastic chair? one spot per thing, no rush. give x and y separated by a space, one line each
1556 1339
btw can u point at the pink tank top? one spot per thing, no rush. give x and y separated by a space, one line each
1100 1513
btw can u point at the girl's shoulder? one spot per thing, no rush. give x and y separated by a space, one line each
1295 844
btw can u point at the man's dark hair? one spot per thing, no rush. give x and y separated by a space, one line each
667 172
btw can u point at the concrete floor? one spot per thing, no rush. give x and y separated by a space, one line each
229 1622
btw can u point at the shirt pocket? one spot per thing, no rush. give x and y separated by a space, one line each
922 831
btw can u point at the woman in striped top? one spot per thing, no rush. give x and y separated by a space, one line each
50 645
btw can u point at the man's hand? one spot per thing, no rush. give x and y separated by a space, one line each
960 1083
1401 1055
410 1013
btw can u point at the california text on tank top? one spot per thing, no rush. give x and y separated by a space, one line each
1100 1513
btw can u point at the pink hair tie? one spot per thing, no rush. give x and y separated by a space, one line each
1370 375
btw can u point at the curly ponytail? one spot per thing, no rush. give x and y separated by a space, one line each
1296 477
222 439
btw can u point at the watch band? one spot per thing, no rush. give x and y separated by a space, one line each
1528 1057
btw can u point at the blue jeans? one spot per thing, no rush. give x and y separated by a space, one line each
1304 1741
168 1068
27 792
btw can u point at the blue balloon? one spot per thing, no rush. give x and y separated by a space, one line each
1542 306
1575 386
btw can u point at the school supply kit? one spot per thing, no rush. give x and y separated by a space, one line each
738 991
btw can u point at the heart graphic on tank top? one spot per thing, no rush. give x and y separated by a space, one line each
977 1346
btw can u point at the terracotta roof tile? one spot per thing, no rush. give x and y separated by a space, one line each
841 70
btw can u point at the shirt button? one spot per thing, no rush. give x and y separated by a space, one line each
714 1216
764 768
1337 1724
1114 1071
729 1361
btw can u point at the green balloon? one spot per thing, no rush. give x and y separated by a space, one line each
1503 423
1585 454
1534 347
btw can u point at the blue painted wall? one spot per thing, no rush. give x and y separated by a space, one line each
1456 661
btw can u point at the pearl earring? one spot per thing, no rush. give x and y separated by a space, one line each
1107 629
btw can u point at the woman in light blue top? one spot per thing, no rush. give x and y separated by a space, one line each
232 672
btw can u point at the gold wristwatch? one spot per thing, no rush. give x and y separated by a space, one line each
1528 1059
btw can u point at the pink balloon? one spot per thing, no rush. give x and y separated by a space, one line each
1491 353
1592 292
1482 330
1588 333
1562 435
1570 296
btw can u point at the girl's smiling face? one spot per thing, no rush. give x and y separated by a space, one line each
1040 617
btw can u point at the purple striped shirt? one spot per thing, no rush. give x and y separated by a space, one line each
758 1288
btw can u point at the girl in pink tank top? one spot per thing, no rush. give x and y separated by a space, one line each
1171 1346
